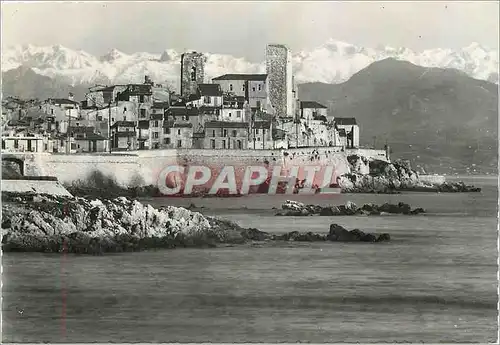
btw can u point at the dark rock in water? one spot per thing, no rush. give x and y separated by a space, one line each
384 237
404 208
417 211
300 237
294 208
400 208
369 207
457 187
255 235
339 234
330 211
368 238
290 236
292 213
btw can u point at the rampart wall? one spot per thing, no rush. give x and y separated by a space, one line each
144 167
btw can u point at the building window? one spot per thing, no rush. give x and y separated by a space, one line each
259 87
258 104
16 144
155 135
143 113
230 87
179 143
243 87
178 132
156 124
207 99
186 118
234 132
238 114
229 114
3 144
166 141
224 133
223 144
213 133
239 144
193 73
124 109
52 111
99 118
257 131
253 89
141 99
166 130
212 143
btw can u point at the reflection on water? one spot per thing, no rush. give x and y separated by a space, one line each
435 281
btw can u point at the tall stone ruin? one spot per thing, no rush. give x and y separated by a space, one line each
192 72
280 79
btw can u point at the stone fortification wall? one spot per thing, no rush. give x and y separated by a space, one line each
70 168
144 167
368 153
216 160
34 186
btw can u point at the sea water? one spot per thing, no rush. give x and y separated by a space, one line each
436 281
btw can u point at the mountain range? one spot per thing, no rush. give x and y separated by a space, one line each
440 119
438 108
333 62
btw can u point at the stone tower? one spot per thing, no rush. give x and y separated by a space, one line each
192 72
280 76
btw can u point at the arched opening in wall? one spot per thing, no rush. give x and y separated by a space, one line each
12 168
193 73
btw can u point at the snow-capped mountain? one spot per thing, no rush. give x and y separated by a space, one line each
333 62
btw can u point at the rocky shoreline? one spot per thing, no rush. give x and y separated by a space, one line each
376 176
295 208
43 223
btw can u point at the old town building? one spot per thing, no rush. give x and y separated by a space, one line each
226 135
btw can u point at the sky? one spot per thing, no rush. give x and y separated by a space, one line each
243 29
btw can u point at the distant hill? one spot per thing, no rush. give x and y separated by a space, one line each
24 83
440 119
